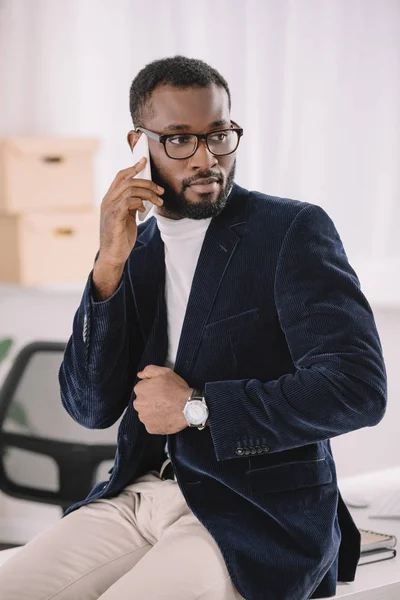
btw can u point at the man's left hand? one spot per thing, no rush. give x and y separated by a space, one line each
161 396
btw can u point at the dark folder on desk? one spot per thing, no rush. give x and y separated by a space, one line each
376 546
376 555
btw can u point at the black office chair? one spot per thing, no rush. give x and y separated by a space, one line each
45 456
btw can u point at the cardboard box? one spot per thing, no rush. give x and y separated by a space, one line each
39 173
42 247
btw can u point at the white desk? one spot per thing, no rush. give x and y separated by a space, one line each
6 554
381 580
377 581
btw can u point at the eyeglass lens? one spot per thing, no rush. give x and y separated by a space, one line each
219 143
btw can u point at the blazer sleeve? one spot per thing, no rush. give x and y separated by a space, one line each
100 363
339 382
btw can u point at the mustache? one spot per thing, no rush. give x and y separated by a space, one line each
206 175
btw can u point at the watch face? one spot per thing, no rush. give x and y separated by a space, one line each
195 412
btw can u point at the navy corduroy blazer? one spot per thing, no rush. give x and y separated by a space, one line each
281 338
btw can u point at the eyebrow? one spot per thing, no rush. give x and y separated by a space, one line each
184 127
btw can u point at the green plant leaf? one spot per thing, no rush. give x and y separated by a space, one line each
5 346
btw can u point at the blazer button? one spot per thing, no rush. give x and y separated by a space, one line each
246 451
239 451
258 449
253 450
266 448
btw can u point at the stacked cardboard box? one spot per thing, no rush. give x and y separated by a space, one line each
49 224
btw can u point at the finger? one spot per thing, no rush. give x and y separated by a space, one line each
133 190
147 184
132 170
129 172
137 192
130 203
132 211
121 209
153 371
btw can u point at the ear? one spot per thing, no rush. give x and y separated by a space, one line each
132 138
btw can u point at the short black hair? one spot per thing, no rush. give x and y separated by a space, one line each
180 72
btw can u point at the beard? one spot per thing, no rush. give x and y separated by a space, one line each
178 207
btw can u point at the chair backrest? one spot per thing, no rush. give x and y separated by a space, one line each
45 456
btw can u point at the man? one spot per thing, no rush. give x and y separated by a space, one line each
231 331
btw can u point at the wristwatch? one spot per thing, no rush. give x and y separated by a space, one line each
196 410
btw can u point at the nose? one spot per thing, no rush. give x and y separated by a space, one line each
202 159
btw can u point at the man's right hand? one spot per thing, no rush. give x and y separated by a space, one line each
118 229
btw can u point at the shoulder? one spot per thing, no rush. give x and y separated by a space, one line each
276 205
276 212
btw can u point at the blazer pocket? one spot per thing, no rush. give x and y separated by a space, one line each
291 476
232 323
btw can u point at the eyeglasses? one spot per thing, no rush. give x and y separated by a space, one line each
183 145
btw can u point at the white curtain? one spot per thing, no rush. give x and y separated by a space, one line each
315 85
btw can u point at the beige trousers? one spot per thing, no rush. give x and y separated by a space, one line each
145 544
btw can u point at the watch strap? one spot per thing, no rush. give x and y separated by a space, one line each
197 394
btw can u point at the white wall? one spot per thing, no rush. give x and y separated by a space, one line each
377 447
316 86
29 315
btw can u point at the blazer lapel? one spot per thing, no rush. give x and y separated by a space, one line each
222 240
147 272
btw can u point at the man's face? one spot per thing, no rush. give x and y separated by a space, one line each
199 110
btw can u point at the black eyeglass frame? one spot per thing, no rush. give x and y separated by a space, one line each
200 136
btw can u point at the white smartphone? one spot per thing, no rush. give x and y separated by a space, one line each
142 149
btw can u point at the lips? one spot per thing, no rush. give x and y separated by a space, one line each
208 185
204 181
